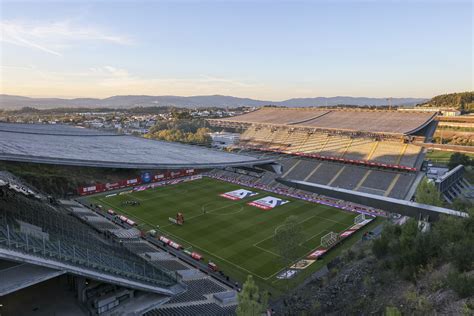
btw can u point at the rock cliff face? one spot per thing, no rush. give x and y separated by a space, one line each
61 181
362 286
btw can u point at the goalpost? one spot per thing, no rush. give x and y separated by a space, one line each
329 240
359 219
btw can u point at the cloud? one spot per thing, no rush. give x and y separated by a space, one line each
51 37
109 80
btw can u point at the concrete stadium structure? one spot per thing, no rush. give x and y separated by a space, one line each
350 120
369 151
68 145
406 208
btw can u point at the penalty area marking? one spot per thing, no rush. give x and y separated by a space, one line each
157 195
300 244
220 258
213 211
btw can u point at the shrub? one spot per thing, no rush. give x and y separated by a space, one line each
462 284
392 311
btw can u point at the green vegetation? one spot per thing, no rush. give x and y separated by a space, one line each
459 159
251 302
439 156
444 157
239 238
453 159
392 311
181 129
427 193
463 101
412 253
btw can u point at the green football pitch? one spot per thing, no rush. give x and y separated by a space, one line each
236 236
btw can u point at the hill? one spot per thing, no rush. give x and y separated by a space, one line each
461 100
127 101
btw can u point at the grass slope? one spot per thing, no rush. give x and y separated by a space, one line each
236 236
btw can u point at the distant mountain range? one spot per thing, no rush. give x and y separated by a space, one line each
128 101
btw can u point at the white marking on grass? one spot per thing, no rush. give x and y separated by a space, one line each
315 235
216 256
225 260
274 231
273 253
161 195
304 256
212 211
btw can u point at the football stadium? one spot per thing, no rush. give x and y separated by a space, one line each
182 237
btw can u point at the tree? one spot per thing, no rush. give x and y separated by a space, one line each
427 193
458 159
392 311
460 204
251 302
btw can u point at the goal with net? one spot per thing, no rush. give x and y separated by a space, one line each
329 240
359 219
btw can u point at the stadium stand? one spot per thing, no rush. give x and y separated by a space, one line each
196 291
388 152
354 136
31 227
301 168
276 116
350 177
324 145
369 151
326 173
172 265
193 310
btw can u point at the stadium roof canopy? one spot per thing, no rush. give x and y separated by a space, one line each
69 145
350 120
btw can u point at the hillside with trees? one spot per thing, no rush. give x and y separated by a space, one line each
464 101
406 270
181 128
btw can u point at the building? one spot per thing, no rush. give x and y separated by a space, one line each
224 139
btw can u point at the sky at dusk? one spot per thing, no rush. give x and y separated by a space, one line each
270 50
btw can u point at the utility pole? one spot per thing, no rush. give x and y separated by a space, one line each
389 103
